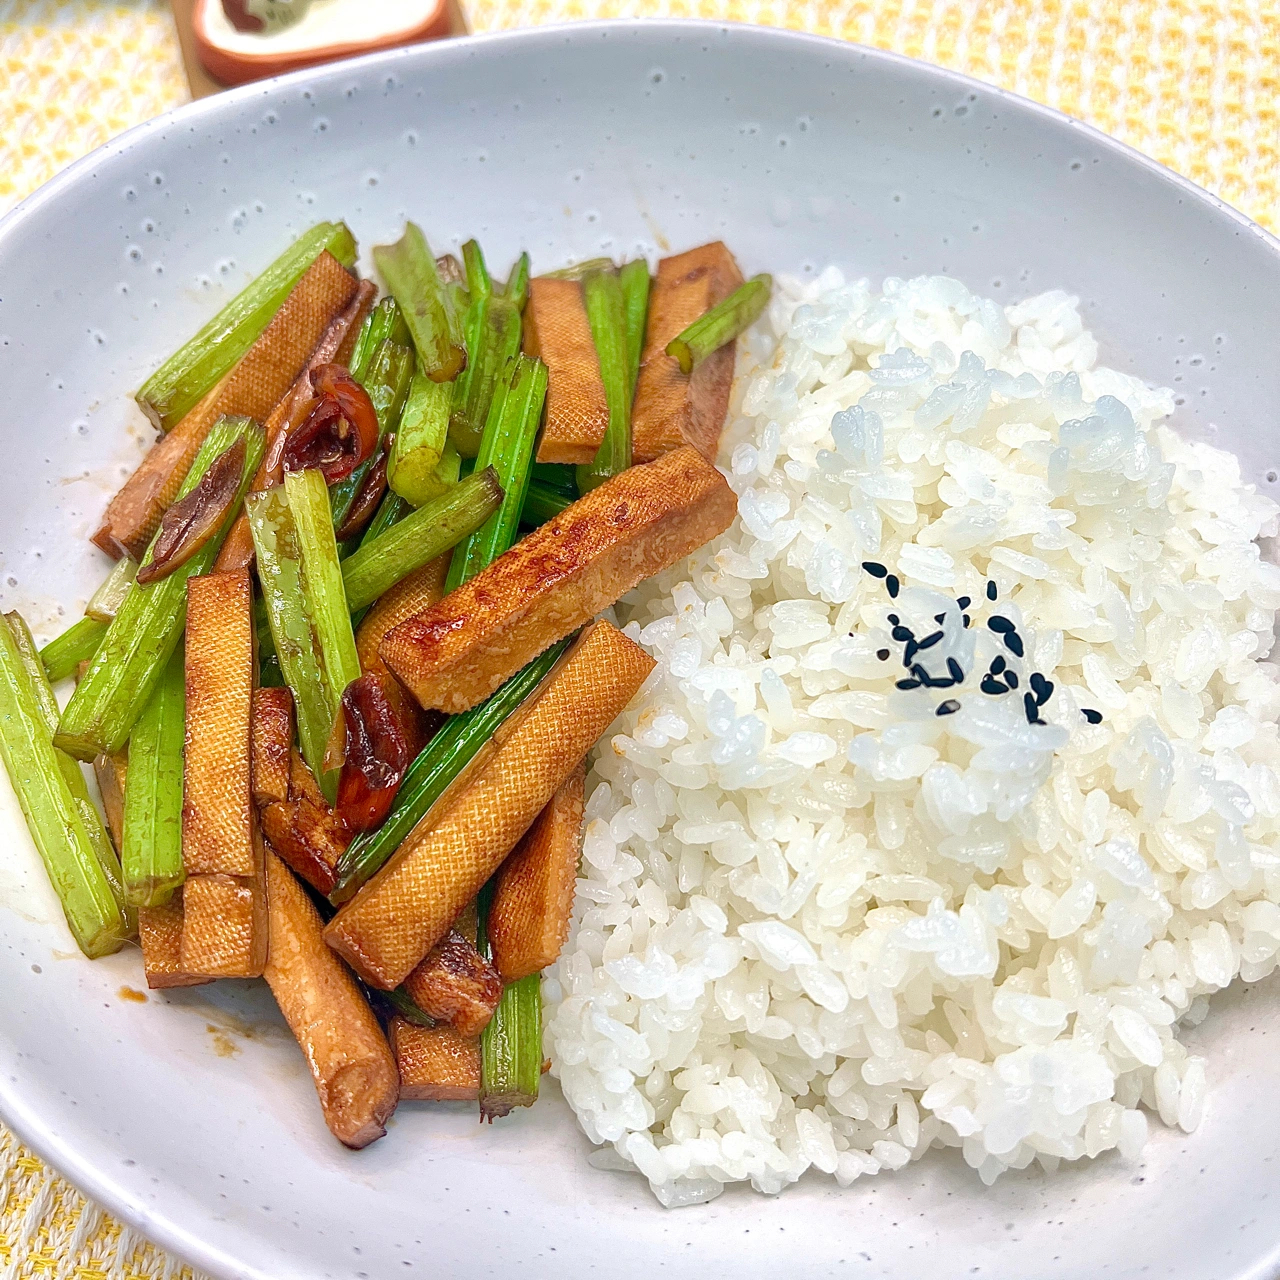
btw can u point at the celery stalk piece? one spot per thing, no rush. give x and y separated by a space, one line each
133 654
284 590
542 503
77 644
581 269
479 281
511 1045
393 509
409 270
193 369
494 333
384 323
722 324
439 762
556 475
387 382
412 468
507 447
105 602
322 577
103 849
517 290
151 849
606 313
53 817
428 532
634 279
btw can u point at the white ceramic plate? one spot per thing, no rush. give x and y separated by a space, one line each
191 1116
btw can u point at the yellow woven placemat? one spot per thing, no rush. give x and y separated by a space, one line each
1195 83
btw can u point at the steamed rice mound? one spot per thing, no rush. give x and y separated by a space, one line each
819 925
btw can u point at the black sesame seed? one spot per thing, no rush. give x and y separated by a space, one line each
874 569
1093 717
893 618
991 590
909 653
882 654
1011 679
908 684
939 617
1029 706
1000 625
964 602
998 664
891 585
1043 688
957 671
965 620
1013 642
930 640
903 634
993 686
948 708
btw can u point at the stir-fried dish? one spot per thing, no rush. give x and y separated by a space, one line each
339 686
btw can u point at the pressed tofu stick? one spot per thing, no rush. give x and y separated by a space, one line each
160 933
224 932
253 388
557 331
436 1064
455 983
335 346
351 1063
304 831
672 408
528 919
391 924
110 773
421 589
456 653
272 738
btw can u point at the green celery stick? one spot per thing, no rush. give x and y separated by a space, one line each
511 1045
440 761
151 848
413 469
387 382
542 503
722 324
133 654
517 290
581 269
322 578
104 602
393 509
410 273
556 475
384 323
77 644
479 281
421 536
634 279
607 315
193 369
507 446
494 330
53 817
76 784
279 558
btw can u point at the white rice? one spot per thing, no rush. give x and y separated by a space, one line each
819 926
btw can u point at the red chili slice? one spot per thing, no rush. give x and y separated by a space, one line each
376 754
338 429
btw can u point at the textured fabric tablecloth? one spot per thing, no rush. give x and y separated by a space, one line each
1194 83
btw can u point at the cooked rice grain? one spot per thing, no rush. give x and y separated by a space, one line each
819 925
